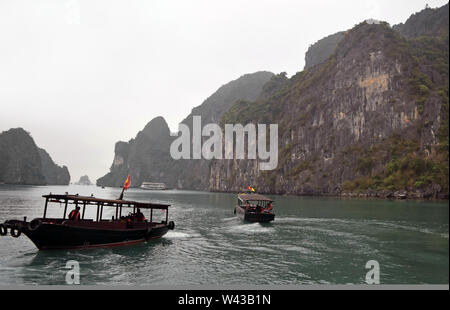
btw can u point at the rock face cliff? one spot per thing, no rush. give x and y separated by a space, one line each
194 173
322 49
54 174
368 115
147 157
372 117
84 180
428 22
22 162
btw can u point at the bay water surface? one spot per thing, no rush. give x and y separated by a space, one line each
313 240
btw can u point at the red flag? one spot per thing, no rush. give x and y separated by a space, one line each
126 185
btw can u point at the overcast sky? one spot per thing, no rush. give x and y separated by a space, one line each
80 75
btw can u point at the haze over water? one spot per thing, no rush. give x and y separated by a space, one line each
312 241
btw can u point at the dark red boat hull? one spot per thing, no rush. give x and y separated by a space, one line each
71 236
254 217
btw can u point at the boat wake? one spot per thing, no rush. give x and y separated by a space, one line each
176 235
228 219
251 228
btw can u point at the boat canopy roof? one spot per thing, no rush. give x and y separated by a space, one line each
89 200
253 197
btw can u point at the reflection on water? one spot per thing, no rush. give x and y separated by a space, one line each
312 240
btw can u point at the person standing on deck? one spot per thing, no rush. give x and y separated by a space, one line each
74 215
140 216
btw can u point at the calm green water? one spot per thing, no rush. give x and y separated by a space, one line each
311 241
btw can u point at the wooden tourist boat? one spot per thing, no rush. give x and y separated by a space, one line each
75 231
253 207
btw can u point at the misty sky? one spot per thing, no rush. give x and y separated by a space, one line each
80 75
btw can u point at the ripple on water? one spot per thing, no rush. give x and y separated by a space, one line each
299 249
312 220
405 226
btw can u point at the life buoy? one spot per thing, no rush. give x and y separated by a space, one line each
34 224
171 225
15 231
3 230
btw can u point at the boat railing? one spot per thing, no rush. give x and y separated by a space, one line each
83 201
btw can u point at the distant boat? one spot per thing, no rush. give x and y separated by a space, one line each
153 186
254 208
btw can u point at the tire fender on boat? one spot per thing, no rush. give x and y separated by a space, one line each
15 231
171 225
3 230
34 224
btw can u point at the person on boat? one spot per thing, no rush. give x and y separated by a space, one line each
269 207
259 209
74 215
140 216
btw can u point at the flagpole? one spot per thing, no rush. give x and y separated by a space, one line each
125 186
121 195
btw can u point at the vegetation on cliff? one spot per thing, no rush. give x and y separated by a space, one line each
373 116
147 157
369 113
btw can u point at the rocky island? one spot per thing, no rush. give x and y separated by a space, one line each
84 180
23 162
367 117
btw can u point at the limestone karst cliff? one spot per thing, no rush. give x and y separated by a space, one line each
322 49
54 174
368 115
147 157
22 162
428 22
84 180
373 116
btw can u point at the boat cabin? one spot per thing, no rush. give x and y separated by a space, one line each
73 230
99 204
254 208
254 201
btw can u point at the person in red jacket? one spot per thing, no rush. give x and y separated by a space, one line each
74 215
139 216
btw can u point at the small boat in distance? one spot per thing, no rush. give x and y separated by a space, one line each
153 186
254 207
76 231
